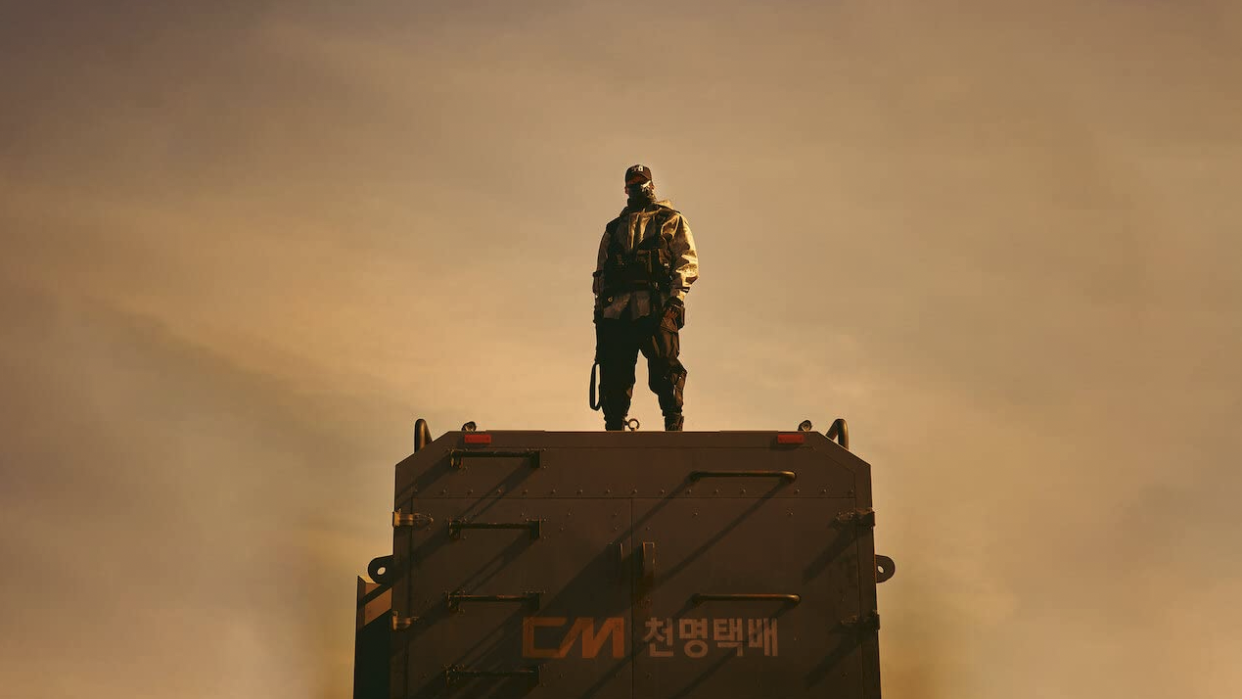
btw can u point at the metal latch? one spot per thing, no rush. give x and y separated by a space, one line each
861 517
414 519
646 565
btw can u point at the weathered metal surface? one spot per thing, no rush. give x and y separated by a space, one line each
547 564
493 603
753 590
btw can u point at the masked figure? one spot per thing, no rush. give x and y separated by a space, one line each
646 265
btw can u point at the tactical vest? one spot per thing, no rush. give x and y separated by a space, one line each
649 265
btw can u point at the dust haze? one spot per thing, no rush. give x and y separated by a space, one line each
245 246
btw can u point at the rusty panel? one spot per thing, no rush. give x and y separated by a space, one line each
577 566
746 546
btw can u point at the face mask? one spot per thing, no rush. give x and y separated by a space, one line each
644 192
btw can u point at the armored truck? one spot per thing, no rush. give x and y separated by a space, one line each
625 565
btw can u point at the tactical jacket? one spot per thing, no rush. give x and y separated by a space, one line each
646 256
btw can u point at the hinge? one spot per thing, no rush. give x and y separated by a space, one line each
867 623
414 519
400 623
861 518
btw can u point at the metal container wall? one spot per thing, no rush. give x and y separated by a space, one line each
635 565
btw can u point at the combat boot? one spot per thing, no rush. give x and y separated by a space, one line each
614 425
673 423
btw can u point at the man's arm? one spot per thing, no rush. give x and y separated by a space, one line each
596 279
685 260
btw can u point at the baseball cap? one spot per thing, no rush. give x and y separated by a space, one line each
637 173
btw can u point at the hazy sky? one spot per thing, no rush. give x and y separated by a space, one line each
243 245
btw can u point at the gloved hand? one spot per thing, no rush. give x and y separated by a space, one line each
674 314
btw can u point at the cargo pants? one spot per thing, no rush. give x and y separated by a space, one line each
619 341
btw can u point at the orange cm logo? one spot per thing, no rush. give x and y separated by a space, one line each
583 627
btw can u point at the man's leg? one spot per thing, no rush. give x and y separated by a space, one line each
618 353
666 376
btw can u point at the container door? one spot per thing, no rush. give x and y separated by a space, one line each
516 597
746 598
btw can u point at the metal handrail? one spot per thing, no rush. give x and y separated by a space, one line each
840 432
699 475
701 597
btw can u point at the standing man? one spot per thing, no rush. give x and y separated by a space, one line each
646 265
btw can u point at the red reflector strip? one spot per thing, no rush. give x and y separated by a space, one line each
791 438
477 438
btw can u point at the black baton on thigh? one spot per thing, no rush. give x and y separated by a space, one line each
594 398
